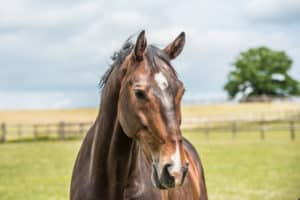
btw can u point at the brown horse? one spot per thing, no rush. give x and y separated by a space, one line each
135 149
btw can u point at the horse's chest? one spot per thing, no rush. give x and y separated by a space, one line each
141 190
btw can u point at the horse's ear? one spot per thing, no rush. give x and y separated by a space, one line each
175 48
140 46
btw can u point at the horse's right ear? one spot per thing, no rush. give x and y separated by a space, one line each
140 46
175 48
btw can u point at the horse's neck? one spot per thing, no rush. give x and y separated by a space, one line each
113 154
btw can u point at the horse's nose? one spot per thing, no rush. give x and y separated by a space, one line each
167 179
173 176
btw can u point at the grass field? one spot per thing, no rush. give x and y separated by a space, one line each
245 168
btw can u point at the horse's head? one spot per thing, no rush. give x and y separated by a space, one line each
149 108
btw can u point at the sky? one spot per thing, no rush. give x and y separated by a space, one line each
53 52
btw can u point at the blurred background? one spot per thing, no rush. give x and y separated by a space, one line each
240 67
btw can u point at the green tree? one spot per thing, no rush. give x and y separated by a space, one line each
262 71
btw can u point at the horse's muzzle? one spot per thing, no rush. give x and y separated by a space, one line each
167 179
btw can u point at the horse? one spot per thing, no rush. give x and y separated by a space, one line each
135 148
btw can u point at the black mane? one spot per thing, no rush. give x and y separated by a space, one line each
117 58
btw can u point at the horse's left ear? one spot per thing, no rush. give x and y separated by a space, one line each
140 46
175 48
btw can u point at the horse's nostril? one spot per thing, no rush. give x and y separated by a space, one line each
166 178
167 168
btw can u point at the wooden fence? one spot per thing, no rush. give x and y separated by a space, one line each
61 130
260 122
235 127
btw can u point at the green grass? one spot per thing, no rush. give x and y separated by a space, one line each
36 170
241 168
244 168
248 168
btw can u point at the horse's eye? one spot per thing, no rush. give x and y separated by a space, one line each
140 94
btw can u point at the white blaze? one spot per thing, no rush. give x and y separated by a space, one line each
176 167
161 80
162 83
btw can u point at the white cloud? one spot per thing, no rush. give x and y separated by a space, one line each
47 99
277 11
28 100
30 14
127 18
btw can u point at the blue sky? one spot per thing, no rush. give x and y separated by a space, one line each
53 53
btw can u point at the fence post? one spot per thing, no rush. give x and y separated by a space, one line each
206 131
3 136
81 130
19 130
262 130
48 132
35 131
61 130
233 129
292 130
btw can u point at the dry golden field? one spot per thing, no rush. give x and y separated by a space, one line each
89 114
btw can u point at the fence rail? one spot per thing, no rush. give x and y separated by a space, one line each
63 130
60 130
245 117
234 127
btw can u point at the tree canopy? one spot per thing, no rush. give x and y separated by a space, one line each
262 71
